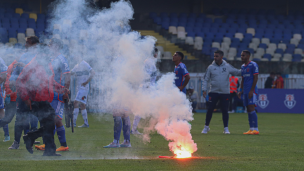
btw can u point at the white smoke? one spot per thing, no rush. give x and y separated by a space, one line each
103 39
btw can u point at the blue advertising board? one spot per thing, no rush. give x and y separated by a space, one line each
280 101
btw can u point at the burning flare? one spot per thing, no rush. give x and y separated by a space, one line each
182 153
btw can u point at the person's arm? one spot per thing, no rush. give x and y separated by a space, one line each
233 71
92 73
205 81
255 80
241 90
187 78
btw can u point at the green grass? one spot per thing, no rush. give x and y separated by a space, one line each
280 146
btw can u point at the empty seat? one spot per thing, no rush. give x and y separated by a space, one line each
265 40
181 35
253 46
189 40
256 41
232 50
198 39
13 40
172 30
216 44
198 46
297 36
277 55
239 36
270 51
294 41
30 32
298 51
167 55
282 46
179 28
33 15
19 10
251 31
227 40
257 55
260 51
272 46
225 46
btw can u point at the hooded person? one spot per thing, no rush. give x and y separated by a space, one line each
35 86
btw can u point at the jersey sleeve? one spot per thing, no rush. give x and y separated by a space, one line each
183 70
255 69
89 68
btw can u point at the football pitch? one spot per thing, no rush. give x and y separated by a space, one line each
280 146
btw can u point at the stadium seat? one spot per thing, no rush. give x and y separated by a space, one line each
262 45
277 55
282 46
225 46
189 41
297 36
257 56
272 46
30 32
270 51
260 51
294 41
267 56
296 58
251 31
167 55
181 35
239 36
179 28
298 51
198 46
12 41
19 10
253 46
33 15
227 40
172 30
255 41
287 57
216 45
25 15
265 41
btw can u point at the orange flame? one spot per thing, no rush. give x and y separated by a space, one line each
182 153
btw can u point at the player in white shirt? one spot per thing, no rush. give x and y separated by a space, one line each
151 69
84 74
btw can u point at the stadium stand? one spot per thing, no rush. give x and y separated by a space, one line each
268 36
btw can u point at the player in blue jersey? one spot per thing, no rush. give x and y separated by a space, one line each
249 90
3 70
151 69
62 76
21 122
181 73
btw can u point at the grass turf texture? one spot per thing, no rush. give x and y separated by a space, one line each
278 147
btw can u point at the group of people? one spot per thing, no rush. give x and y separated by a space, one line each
218 77
275 80
36 86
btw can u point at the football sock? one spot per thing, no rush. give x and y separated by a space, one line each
206 126
61 136
135 123
126 127
5 129
254 121
250 120
75 113
85 116
117 128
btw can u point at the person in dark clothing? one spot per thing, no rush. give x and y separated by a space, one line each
269 81
35 87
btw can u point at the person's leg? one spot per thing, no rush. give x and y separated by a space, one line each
194 103
212 101
251 111
84 115
126 131
75 112
230 101
33 122
224 108
117 131
10 111
59 107
135 124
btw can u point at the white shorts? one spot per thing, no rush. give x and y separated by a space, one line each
82 95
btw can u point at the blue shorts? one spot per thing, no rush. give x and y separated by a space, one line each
58 107
252 101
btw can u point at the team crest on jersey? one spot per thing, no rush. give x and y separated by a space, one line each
263 102
83 98
247 69
290 101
